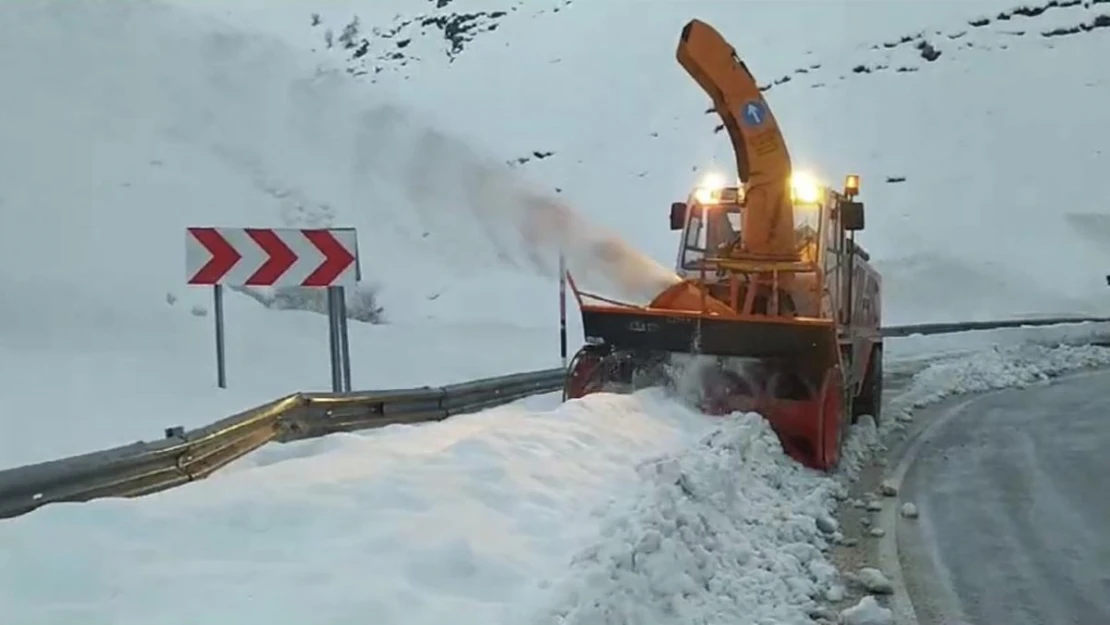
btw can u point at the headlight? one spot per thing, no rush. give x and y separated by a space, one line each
709 188
805 188
706 195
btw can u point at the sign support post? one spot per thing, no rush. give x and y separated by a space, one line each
338 345
333 343
218 313
344 342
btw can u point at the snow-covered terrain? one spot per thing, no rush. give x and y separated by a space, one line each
204 114
186 120
665 516
467 141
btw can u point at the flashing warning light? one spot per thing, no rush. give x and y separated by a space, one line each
851 185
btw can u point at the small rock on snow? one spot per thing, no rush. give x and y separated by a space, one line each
834 593
888 490
873 580
867 612
874 505
909 510
822 614
849 541
827 524
877 532
864 521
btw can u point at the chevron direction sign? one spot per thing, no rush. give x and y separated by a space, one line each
271 257
319 258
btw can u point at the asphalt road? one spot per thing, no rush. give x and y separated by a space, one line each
1013 494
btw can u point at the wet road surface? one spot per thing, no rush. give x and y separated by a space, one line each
1014 501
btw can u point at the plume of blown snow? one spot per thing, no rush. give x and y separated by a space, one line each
437 171
686 374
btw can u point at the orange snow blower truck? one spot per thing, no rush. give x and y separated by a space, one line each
776 300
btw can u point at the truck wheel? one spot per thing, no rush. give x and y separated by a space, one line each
870 399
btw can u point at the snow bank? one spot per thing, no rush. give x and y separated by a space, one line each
726 531
408 525
1002 367
914 352
731 530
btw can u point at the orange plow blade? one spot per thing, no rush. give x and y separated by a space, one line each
784 369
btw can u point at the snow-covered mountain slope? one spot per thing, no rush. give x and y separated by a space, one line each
124 122
967 172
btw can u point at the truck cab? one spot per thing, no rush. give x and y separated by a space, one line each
711 221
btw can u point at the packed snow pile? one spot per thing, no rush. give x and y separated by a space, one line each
731 530
726 531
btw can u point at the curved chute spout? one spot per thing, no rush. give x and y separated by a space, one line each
762 160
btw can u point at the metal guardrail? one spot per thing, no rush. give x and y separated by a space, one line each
185 456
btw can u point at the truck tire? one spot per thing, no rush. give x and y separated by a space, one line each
870 399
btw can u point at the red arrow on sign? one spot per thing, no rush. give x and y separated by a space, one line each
280 257
336 258
224 256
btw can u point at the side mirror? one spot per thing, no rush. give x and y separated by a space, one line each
851 216
678 215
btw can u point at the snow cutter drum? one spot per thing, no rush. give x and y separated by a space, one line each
788 372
